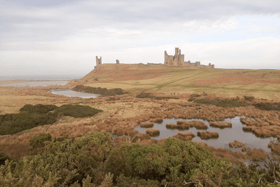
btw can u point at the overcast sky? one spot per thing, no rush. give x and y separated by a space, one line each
63 37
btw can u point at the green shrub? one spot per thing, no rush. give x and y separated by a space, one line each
249 98
62 163
3 157
33 116
92 161
76 111
37 108
175 161
149 95
144 95
123 181
14 123
268 106
220 102
98 90
38 141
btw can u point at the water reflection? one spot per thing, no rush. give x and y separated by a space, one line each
226 135
71 93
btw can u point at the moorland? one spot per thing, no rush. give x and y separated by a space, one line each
54 140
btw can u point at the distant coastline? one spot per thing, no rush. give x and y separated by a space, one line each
38 78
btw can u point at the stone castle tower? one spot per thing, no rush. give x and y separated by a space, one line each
98 61
178 60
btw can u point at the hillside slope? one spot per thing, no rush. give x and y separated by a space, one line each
186 80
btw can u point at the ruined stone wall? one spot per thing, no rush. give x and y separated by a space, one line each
178 60
98 61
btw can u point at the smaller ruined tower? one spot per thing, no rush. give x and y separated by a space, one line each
98 61
117 61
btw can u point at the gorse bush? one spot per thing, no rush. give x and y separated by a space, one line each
144 95
33 116
3 157
76 111
249 98
150 95
268 106
63 163
98 90
174 161
14 123
92 161
220 102
38 108
38 141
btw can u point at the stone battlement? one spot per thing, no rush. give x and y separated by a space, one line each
178 60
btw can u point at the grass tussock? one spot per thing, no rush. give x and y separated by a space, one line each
153 132
236 144
207 135
99 90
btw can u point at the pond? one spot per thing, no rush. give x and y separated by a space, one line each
226 135
36 83
71 93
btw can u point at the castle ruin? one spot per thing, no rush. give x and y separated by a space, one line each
98 61
178 60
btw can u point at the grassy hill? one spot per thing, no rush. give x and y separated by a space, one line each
186 80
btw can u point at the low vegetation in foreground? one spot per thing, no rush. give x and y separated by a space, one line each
101 91
32 116
93 161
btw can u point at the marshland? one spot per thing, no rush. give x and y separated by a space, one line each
152 126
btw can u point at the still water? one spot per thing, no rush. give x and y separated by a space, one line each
226 135
71 93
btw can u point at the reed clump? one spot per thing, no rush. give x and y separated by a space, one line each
153 132
207 134
156 120
221 125
236 144
147 124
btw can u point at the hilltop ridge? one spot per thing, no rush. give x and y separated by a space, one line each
181 80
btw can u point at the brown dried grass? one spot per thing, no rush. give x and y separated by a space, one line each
207 134
221 125
147 124
153 132
236 143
